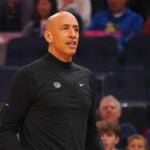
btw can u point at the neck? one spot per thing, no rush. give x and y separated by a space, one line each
63 59
121 11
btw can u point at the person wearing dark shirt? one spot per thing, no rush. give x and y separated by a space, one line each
51 103
10 16
43 9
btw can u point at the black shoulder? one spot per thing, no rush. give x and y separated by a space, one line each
34 66
82 68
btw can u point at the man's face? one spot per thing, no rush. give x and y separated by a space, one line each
109 140
109 111
136 144
116 6
65 35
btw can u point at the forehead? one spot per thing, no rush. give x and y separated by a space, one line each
66 20
141 141
108 103
109 135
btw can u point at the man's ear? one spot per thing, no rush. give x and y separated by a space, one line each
48 36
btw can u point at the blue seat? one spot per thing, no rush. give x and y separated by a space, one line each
128 85
138 52
97 53
21 51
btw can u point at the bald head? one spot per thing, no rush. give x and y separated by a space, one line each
56 18
62 34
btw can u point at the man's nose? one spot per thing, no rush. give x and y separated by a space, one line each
103 138
73 33
108 109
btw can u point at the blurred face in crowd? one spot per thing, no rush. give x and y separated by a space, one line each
12 4
136 144
109 140
109 110
43 8
62 34
116 6
67 2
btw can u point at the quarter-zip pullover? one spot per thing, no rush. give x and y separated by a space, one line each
52 104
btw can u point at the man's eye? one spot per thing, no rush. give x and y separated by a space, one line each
77 29
65 27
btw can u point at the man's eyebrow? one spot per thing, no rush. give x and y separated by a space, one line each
76 26
66 25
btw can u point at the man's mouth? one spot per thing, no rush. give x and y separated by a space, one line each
72 44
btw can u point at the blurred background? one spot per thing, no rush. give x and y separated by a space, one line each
114 43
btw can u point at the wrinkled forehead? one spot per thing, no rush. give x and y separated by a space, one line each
70 20
60 19
107 103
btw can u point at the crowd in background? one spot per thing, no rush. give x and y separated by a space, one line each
121 19
17 15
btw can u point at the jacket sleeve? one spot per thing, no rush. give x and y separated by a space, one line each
93 141
14 111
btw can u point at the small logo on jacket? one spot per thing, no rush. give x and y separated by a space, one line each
81 84
57 84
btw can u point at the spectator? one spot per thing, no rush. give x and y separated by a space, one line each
109 134
10 15
84 8
26 11
43 9
137 142
118 21
110 110
81 8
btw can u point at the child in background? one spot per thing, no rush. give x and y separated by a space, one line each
136 142
109 134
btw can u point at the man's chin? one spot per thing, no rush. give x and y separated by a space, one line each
72 52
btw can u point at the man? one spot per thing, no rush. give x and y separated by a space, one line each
110 110
118 21
51 103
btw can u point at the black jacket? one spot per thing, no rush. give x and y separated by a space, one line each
52 106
